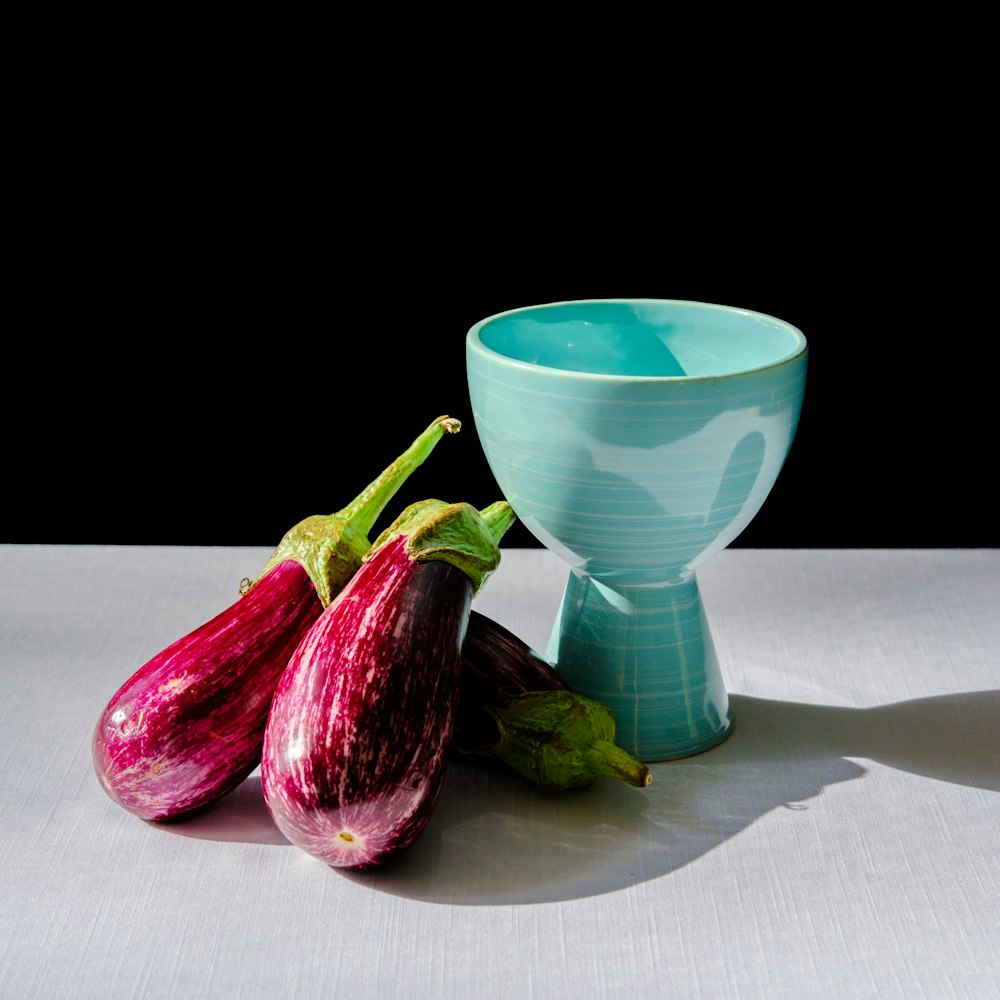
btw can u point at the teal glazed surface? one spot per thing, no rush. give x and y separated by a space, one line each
635 438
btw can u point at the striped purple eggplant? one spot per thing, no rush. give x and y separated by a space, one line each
515 711
188 726
357 739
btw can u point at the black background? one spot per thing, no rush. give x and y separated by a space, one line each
216 401
217 341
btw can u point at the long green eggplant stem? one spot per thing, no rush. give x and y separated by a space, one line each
364 510
611 761
331 547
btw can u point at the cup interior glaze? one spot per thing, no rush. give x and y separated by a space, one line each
641 338
635 437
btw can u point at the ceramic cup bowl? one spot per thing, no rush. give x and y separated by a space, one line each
635 438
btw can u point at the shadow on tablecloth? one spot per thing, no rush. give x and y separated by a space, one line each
494 839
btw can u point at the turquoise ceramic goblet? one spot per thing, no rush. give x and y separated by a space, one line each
635 438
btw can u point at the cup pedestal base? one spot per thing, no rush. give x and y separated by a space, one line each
647 654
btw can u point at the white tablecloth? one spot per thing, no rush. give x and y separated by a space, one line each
843 842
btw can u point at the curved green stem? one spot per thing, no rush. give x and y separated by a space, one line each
498 517
331 547
364 510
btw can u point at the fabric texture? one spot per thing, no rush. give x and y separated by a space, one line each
841 843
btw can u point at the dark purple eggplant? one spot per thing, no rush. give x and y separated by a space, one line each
188 726
515 711
357 739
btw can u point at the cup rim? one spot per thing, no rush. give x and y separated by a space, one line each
475 343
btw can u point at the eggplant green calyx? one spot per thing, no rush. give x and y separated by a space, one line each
456 533
331 547
559 740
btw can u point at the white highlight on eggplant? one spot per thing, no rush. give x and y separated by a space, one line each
176 684
152 782
401 624
365 622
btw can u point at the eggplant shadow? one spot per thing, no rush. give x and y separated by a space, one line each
241 816
495 839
